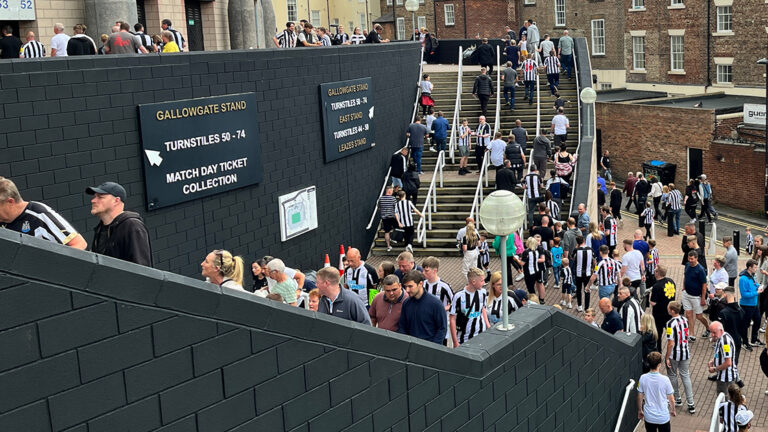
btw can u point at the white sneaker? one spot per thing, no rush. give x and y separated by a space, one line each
389 248
580 309
562 302
766 392
409 248
570 305
762 329
519 277
432 149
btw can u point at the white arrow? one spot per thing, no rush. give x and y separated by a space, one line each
154 157
370 113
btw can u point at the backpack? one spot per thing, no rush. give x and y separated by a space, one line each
435 43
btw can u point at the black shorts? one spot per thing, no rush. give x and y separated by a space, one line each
389 224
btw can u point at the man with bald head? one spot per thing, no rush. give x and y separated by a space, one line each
722 363
360 278
612 322
33 48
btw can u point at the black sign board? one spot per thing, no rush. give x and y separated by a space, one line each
347 117
195 148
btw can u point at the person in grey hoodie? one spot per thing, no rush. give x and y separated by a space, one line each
731 260
542 150
483 89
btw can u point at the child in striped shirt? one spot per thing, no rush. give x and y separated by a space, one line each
484 257
750 241
567 289
404 213
647 217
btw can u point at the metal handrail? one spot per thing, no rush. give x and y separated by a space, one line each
457 106
530 156
624 404
497 123
714 424
407 140
474 212
578 143
430 202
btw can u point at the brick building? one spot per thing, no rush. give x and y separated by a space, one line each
471 19
599 21
685 46
398 22
708 139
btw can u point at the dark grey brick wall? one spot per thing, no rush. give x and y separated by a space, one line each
69 123
90 358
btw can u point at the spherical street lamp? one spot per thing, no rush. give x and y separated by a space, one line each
412 6
502 213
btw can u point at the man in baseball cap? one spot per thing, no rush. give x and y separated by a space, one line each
120 234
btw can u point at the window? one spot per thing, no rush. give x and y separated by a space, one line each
293 12
335 22
638 4
315 18
638 52
389 2
676 2
676 52
724 19
449 18
421 21
530 2
362 22
421 1
401 28
724 74
598 37
606 86
399 2
559 12
351 26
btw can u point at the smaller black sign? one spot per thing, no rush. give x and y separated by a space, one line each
199 147
347 117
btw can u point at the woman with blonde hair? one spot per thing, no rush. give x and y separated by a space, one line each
650 336
595 238
220 267
495 299
531 259
469 247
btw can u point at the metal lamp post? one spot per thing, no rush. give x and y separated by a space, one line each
502 213
589 96
764 61
412 6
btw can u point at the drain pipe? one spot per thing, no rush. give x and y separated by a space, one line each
708 83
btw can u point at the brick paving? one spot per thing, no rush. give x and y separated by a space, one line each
701 351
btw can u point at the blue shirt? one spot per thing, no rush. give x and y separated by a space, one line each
748 289
557 256
641 246
612 322
440 125
424 318
695 278
602 184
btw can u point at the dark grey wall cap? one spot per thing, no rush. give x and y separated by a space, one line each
52 262
138 283
183 294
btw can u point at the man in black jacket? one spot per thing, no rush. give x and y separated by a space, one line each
614 201
120 234
483 89
506 179
485 55
397 167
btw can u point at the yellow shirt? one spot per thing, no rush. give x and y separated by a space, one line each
170 47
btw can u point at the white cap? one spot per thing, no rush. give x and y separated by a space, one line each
744 417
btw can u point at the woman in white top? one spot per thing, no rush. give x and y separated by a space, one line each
222 268
656 192
357 37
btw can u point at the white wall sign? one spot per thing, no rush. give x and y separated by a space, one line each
754 114
298 213
17 10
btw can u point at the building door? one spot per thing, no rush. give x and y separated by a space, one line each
695 163
14 26
194 25
141 11
599 148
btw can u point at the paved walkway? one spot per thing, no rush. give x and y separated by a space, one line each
704 390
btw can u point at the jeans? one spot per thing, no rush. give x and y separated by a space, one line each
676 214
556 272
509 96
416 155
440 144
605 291
530 87
680 367
566 60
607 175
554 82
752 313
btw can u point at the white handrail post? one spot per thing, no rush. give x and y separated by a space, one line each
624 404
714 423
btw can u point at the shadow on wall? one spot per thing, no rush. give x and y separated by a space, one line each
100 342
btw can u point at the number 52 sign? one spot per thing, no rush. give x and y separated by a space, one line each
17 10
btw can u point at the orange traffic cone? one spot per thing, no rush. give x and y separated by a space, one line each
327 262
341 259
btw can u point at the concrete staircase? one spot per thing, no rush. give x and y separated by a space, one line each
454 199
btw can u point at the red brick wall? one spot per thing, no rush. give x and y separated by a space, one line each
750 165
638 133
749 21
724 127
484 18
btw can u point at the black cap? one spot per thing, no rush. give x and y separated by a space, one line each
110 188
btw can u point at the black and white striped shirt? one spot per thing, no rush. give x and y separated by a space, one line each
653 261
286 39
356 39
647 215
471 305
677 332
583 257
361 279
674 200
532 185
483 129
567 275
529 70
727 412
387 206
494 311
617 265
530 258
404 209
464 140
144 40
725 349
43 222
630 315
33 49
605 270
177 37
554 210
610 229
444 293
552 64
